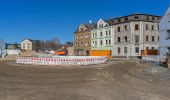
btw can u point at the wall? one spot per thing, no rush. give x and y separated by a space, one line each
102 38
131 33
164 26
11 52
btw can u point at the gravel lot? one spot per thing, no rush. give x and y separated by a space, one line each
117 80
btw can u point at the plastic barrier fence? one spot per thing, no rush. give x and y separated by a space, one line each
153 58
62 60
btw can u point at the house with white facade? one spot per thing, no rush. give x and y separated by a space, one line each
26 45
101 36
164 32
134 33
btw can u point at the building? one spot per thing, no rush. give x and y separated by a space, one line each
2 48
134 33
82 40
30 45
70 51
164 30
101 36
26 45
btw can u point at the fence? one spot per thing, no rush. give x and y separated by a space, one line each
153 58
62 60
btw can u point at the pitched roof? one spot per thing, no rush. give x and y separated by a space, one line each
87 25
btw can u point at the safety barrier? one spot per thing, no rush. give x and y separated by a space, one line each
153 58
62 60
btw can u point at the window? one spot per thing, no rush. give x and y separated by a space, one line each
109 42
137 49
153 18
82 29
101 34
24 47
125 38
147 48
146 26
136 27
152 27
95 34
118 29
125 49
147 38
168 35
136 39
95 43
119 20
147 18
109 33
101 26
118 39
126 18
106 42
153 48
125 28
119 50
28 47
153 38
136 17
101 42
106 33
158 38
23 43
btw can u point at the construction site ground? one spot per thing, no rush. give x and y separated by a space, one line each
116 80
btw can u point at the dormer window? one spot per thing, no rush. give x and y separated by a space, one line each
136 17
82 29
101 26
153 18
126 18
119 20
147 18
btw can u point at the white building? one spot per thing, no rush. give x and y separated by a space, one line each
101 35
134 33
164 29
26 45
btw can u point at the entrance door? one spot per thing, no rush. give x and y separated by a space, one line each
87 53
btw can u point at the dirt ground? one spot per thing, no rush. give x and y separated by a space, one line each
117 80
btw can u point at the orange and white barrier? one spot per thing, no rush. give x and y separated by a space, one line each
62 60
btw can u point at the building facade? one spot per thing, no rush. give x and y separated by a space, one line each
101 36
82 40
164 29
134 33
2 48
27 45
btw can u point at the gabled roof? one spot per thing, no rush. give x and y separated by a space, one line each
30 40
107 21
87 25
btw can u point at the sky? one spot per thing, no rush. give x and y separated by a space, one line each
46 19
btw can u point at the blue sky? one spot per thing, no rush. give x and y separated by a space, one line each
45 19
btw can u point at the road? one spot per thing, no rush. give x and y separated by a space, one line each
118 80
